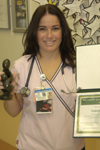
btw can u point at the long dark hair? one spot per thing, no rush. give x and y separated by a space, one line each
30 36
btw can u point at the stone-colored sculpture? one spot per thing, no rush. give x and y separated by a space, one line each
6 79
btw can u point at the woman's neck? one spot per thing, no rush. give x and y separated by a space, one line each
49 64
49 57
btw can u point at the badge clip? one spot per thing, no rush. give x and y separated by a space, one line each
42 78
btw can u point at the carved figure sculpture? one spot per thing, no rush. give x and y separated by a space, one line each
6 79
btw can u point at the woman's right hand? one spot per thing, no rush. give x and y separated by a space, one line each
13 83
14 106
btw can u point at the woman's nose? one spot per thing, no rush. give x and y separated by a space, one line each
49 33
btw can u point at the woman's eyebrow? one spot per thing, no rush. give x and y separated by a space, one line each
52 26
56 25
42 26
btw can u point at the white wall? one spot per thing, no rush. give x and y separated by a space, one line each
10 42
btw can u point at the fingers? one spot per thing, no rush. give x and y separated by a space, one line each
13 83
1 87
1 84
1 74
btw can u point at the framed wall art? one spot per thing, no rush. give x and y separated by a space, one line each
19 15
4 14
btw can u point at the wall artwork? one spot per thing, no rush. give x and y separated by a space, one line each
19 15
4 14
83 17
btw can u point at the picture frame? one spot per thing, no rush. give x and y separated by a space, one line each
4 14
87 115
87 107
20 18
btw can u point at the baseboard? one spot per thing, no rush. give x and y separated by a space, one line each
5 146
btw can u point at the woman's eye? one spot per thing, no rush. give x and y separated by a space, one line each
55 28
42 29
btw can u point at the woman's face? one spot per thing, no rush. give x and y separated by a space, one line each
49 34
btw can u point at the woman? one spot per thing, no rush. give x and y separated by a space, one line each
50 127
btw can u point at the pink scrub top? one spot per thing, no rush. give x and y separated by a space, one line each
52 131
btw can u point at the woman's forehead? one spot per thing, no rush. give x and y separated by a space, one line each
49 19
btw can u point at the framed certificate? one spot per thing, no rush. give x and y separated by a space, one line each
87 111
87 115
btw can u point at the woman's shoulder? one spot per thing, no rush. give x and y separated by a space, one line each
22 60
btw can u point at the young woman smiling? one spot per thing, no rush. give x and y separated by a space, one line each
47 113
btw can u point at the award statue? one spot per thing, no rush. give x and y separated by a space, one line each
6 79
